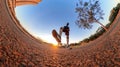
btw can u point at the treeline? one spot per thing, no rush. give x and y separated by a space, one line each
100 30
114 12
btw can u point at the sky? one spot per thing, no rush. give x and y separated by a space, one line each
39 20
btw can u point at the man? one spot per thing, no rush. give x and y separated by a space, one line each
64 29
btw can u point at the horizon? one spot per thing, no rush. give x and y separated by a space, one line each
39 20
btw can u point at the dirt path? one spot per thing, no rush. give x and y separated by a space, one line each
19 49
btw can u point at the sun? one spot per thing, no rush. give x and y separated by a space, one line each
54 44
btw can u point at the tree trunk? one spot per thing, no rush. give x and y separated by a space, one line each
102 25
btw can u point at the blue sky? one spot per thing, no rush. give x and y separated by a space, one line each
42 18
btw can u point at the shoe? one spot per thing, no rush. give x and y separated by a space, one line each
67 46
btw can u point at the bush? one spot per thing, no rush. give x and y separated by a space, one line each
114 13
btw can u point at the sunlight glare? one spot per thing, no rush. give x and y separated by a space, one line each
54 44
48 38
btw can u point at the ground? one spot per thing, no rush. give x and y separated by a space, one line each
19 49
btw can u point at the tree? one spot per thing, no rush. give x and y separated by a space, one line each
88 13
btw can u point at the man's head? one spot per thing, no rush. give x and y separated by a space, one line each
67 23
